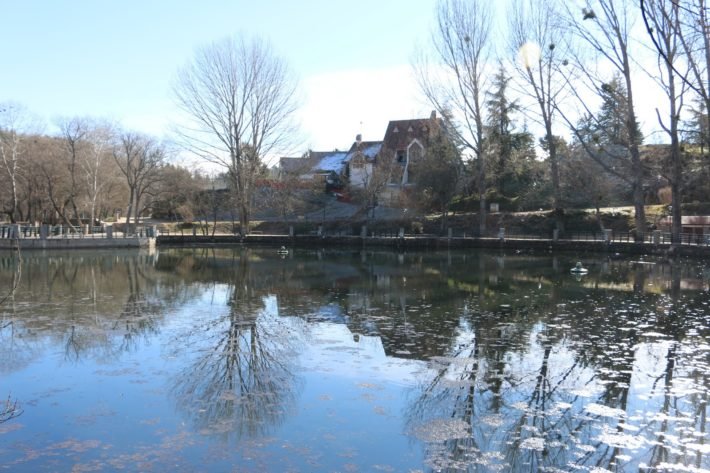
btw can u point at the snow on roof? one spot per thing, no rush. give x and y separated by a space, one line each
369 149
334 161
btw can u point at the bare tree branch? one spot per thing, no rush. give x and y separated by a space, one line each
239 99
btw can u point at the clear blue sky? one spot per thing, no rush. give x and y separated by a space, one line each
116 59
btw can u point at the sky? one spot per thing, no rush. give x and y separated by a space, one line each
118 59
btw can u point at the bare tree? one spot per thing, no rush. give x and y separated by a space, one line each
438 175
74 133
140 159
604 27
239 99
50 154
94 166
663 18
695 36
693 32
536 38
15 123
375 180
9 409
456 83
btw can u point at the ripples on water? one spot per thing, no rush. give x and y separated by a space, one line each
225 359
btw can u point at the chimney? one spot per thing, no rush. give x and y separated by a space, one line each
358 138
433 115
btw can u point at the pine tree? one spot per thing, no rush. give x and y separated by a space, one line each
499 126
610 128
509 151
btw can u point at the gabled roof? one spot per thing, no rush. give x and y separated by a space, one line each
294 165
333 161
315 162
368 149
401 133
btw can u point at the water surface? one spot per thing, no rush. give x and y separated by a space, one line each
244 360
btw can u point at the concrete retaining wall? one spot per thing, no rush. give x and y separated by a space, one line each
75 243
434 243
419 242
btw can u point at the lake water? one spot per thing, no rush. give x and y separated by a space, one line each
245 360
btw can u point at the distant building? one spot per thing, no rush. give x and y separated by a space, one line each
327 167
360 161
405 142
696 225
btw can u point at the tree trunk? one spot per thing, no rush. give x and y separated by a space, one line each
555 171
676 193
136 212
638 195
636 165
129 212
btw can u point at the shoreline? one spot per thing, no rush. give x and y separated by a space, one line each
395 243
434 243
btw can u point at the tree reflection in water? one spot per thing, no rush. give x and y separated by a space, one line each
241 382
569 389
528 368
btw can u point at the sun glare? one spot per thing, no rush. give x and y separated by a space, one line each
529 55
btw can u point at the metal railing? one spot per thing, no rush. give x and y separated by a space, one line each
64 231
660 237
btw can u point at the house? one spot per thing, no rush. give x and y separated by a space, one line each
327 167
360 161
405 142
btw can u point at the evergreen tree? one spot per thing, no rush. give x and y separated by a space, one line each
499 126
608 126
511 153
698 129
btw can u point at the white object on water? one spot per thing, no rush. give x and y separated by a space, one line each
579 269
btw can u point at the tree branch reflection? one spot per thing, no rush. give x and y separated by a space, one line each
241 382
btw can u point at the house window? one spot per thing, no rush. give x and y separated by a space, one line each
401 156
415 152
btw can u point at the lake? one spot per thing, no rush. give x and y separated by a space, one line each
353 361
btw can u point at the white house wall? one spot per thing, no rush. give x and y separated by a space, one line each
360 176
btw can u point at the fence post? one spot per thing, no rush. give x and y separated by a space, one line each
607 235
401 232
450 232
501 233
555 234
109 231
290 231
363 231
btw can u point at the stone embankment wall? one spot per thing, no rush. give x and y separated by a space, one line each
432 242
75 243
43 237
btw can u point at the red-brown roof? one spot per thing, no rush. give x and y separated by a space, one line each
401 133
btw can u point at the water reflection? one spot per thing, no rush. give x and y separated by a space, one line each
521 366
241 381
95 305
